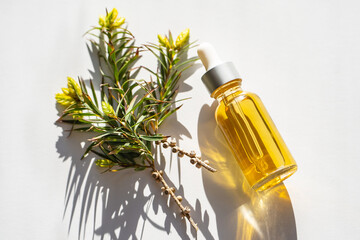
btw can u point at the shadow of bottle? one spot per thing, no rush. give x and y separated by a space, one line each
241 213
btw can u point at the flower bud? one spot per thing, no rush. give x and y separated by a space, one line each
113 15
118 22
102 21
164 41
111 21
108 109
182 39
64 99
74 87
70 95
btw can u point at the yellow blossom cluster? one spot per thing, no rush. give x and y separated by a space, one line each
70 95
107 109
181 40
111 21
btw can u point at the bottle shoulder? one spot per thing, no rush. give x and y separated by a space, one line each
250 95
239 96
240 99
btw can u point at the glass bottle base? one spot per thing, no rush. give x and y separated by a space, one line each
274 178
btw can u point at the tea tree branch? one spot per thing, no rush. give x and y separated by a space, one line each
126 117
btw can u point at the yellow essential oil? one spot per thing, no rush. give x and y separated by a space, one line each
253 138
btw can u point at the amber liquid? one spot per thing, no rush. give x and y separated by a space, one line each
254 140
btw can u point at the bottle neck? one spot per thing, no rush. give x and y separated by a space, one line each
230 88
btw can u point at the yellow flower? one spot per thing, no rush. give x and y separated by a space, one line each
118 22
164 41
182 39
102 21
74 88
112 15
107 109
111 21
70 95
64 99
104 163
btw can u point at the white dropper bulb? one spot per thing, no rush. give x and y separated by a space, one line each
208 56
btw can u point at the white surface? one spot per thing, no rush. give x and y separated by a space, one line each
301 57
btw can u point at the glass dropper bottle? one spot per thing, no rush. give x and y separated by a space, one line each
246 125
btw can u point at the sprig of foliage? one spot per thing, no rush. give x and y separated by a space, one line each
125 121
172 62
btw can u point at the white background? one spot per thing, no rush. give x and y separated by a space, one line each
301 57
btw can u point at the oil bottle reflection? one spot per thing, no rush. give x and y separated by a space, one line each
241 213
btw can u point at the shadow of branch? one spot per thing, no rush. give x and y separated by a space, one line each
115 204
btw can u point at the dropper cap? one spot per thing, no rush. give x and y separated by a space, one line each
217 71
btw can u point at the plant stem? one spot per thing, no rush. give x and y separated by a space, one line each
184 210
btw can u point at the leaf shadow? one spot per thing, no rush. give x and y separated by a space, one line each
241 213
116 205
112 204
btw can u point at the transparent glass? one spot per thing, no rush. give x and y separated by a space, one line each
253 137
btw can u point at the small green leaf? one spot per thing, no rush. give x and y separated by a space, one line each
140 168
88 149
168 114
151 138
131 106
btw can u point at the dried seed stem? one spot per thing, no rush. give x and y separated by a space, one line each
194 159
171 191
